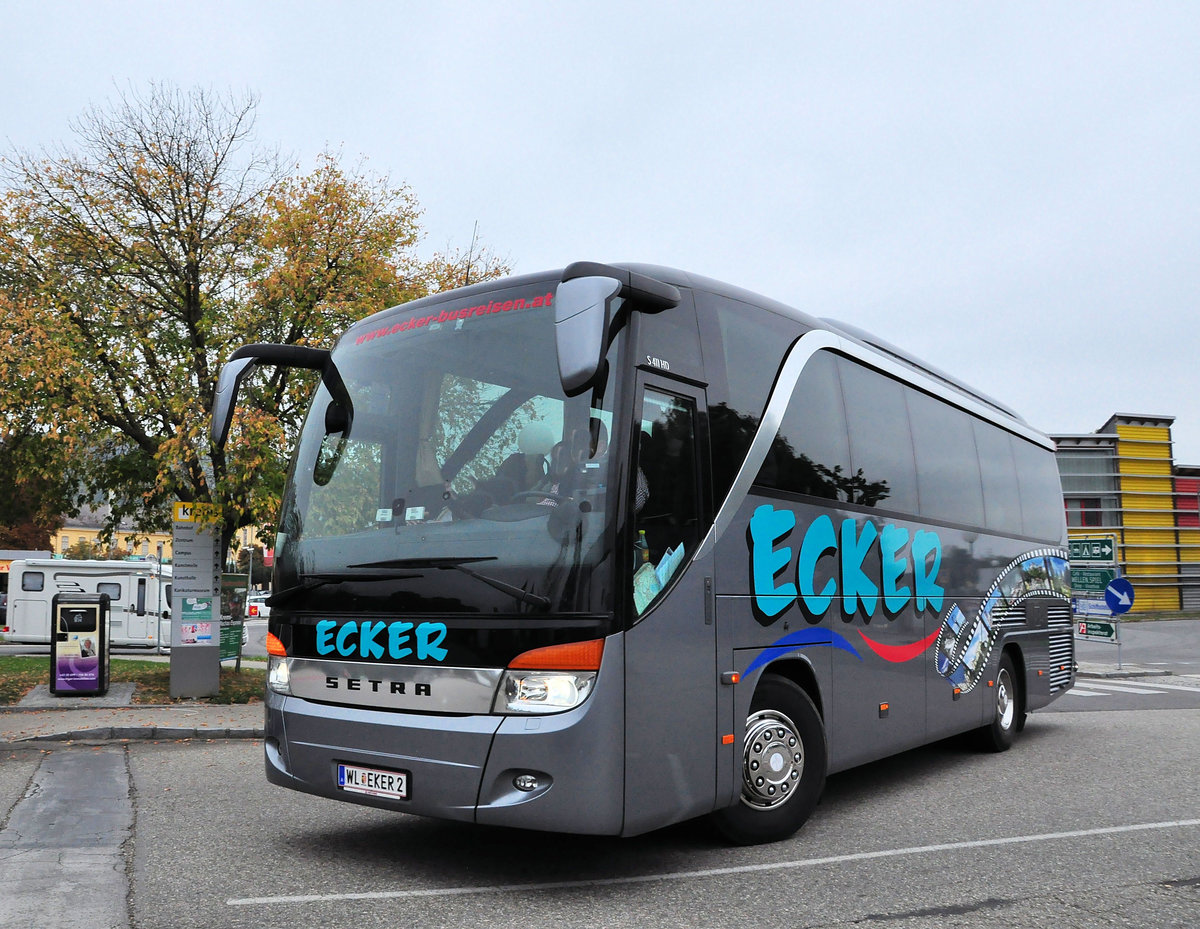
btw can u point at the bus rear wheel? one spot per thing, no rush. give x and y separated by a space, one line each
784 758
1007 716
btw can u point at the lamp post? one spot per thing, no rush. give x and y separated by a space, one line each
160 611
249 567
237 665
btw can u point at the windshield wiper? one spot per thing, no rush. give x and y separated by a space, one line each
313 581
460 564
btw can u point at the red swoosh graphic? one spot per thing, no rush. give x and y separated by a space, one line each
900 652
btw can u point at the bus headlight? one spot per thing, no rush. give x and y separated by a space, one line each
543 691
279 675
550 679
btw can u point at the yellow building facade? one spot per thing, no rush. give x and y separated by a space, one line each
1122 481
86 528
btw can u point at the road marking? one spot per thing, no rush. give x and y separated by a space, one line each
1194 690
1107 689
1123 688
709 872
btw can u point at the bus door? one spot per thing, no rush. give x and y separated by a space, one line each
670 647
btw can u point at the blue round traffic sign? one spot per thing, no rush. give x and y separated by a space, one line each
1119 595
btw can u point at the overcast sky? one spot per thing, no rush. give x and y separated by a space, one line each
1010 191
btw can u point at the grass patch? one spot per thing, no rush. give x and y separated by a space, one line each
19 674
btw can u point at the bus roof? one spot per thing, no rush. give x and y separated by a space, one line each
848 330
693 281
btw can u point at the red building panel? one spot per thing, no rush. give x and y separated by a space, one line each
1187 502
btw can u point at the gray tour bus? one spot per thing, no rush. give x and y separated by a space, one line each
605 549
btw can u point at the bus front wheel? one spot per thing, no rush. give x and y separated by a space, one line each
783 765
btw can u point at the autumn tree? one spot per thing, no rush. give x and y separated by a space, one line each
132 265
31 505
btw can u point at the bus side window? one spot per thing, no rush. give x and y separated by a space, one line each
949 485
1037 476
883 466
1001 491
811 455
666 509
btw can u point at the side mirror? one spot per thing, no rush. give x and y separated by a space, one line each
582 314
231 377
292 356
584 305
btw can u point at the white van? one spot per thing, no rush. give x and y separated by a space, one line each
139 598
257 606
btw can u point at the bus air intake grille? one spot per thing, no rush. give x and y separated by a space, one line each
1062 646
1003 617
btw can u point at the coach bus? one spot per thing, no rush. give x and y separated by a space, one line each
605 549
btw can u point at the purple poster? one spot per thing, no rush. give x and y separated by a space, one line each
77 663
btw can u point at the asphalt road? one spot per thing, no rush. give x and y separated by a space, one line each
1168 645
1093 819
1139 693
894 842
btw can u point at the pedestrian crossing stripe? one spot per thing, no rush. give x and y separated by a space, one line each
1091 688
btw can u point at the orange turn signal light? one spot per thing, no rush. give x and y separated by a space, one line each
574 656
274 646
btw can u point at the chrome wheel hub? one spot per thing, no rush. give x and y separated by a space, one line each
772 760
1006 708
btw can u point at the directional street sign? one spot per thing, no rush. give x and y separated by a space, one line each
1092 580
1087 606
1119 595
1099 550
1096 629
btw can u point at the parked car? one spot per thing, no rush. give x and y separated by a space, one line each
256 605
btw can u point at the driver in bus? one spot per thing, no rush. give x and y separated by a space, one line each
526 468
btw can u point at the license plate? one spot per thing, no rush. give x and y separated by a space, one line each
375 782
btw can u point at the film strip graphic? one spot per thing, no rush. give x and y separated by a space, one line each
965 646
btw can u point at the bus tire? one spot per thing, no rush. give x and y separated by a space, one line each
1001 732
784 758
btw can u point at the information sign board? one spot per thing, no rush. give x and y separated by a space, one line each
1100 550
231 638
196 618
1096 629
1092 580
1089 606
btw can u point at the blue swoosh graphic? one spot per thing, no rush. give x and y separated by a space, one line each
801 638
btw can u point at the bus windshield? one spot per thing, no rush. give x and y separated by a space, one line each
464 481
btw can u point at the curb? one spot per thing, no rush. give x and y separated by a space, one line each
1118 673
81 703
144 733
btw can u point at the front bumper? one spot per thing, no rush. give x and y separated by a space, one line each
464 767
